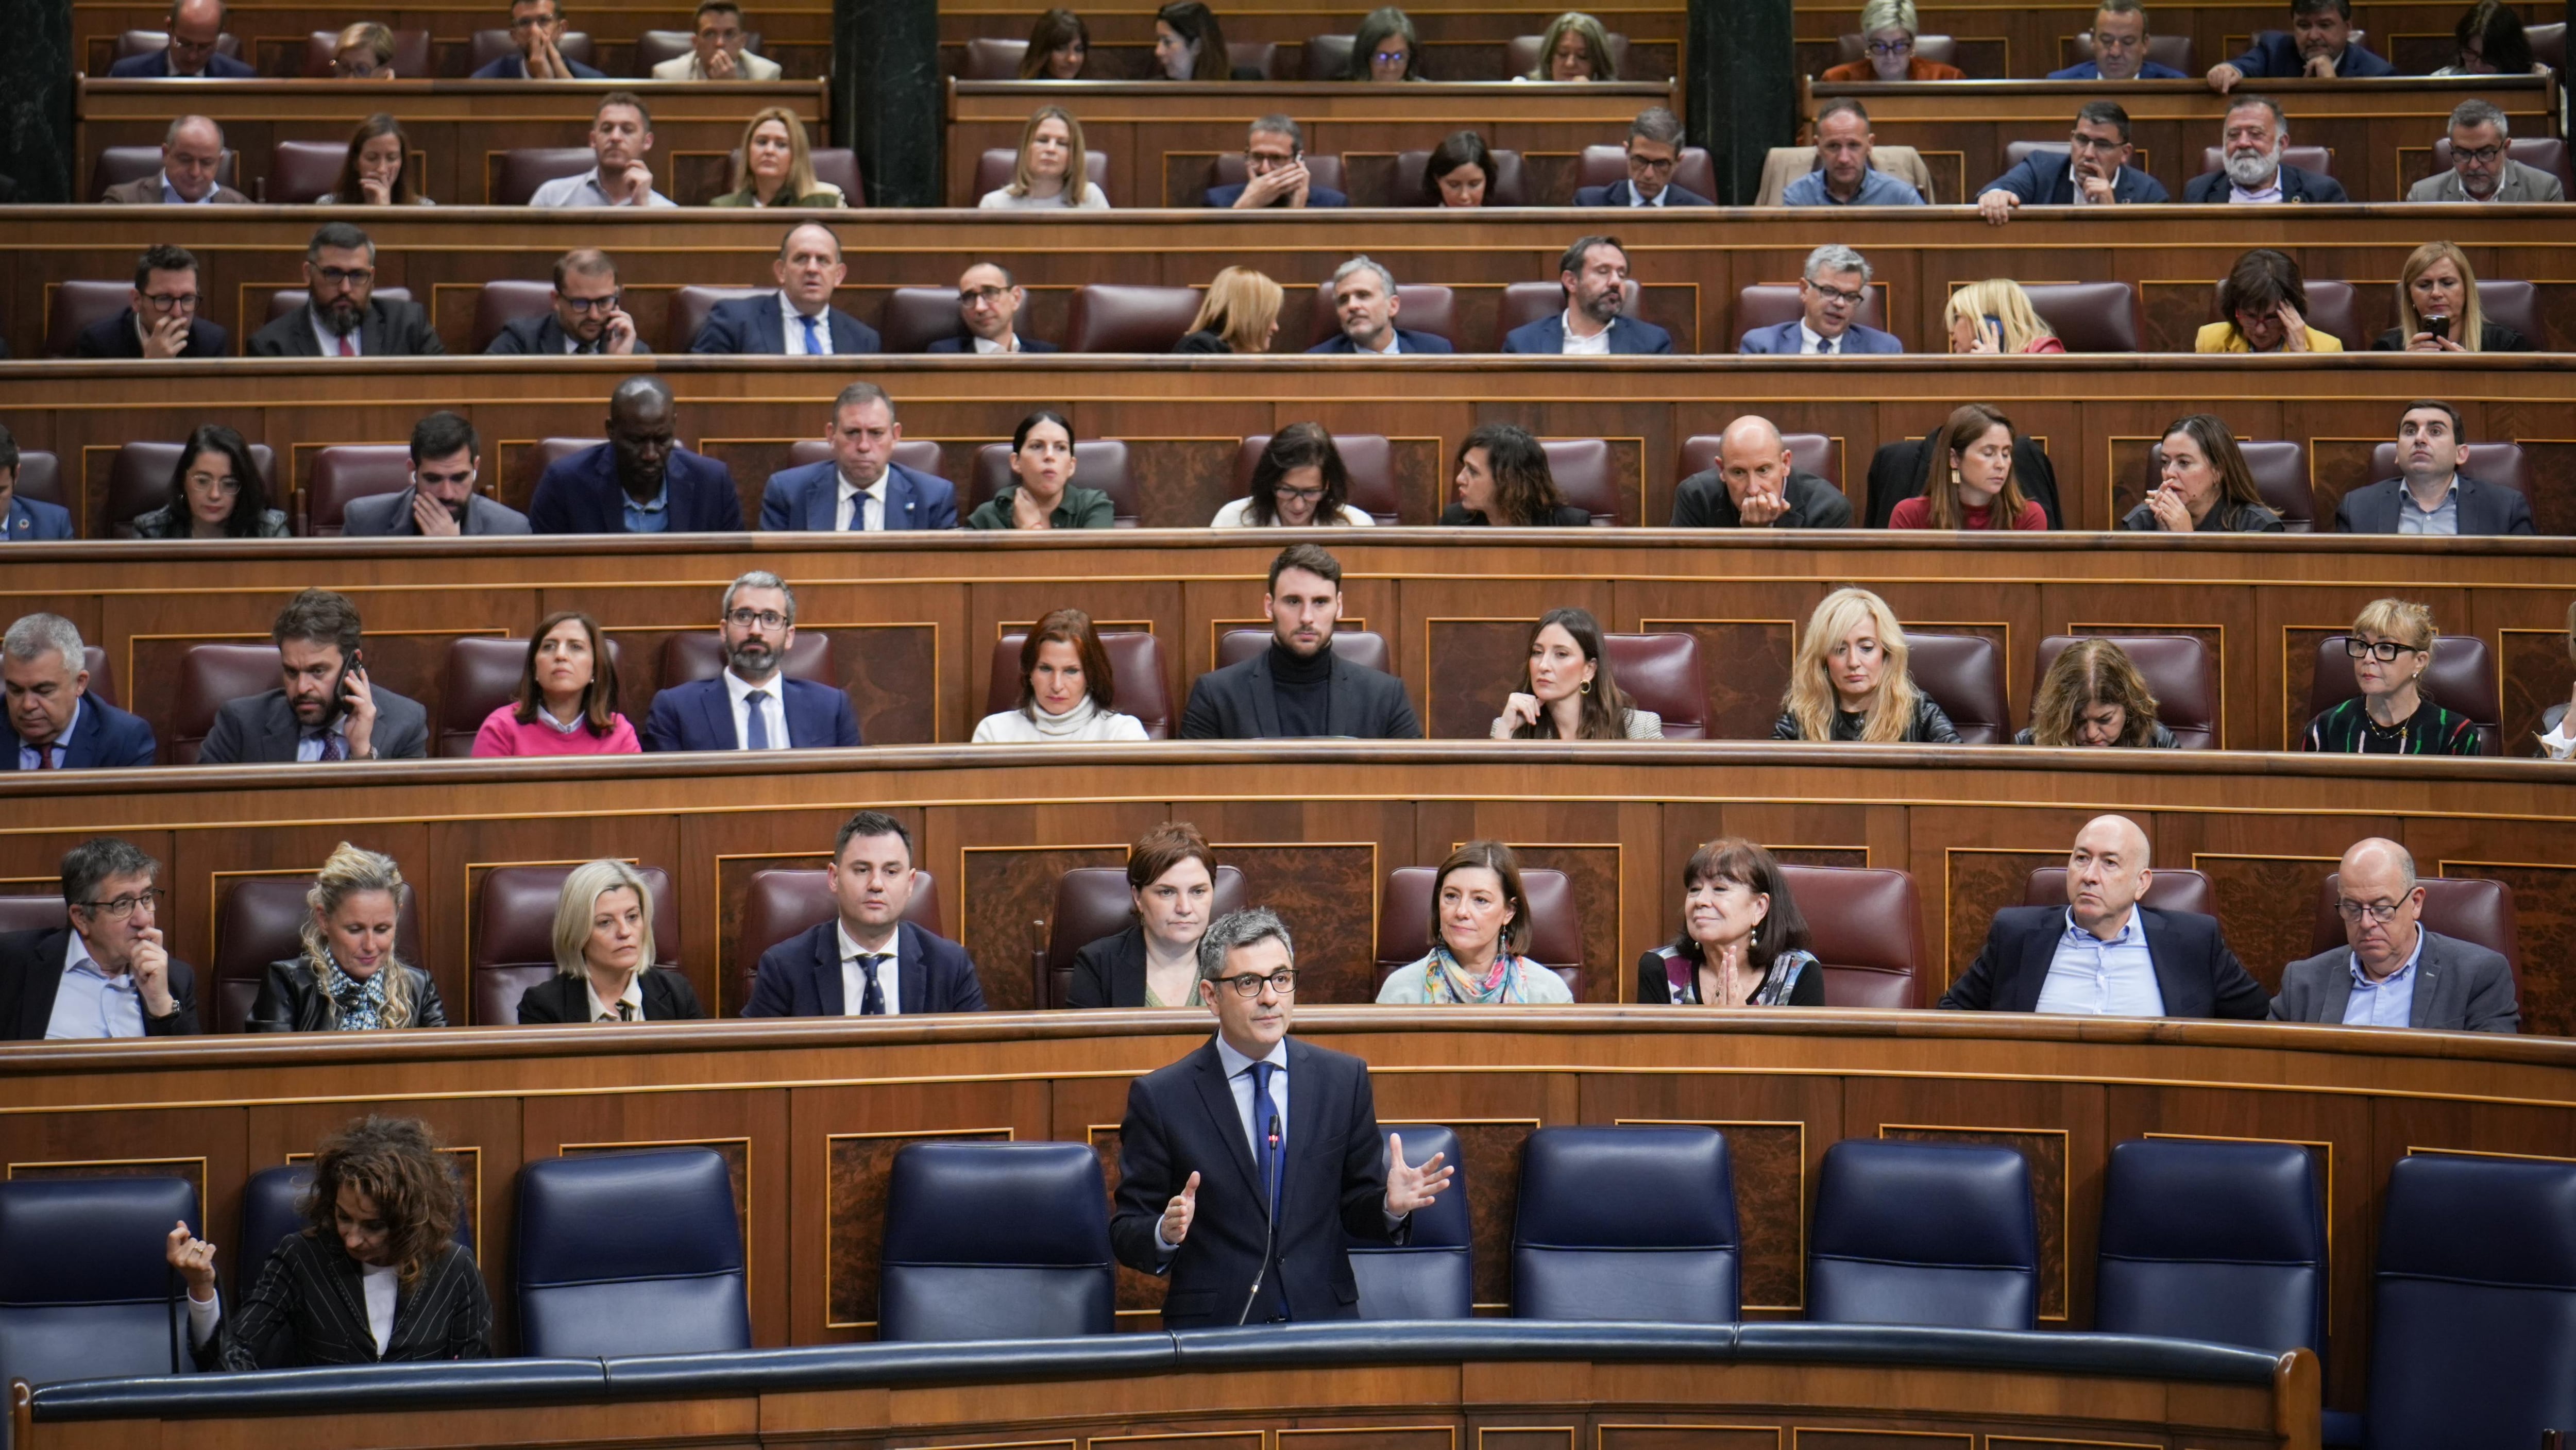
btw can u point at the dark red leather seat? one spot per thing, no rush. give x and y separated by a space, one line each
1099 463
482 674
40 475
322 49
1556 926
514 935
1662 673
989 59
498 304
33 913
2178 671
117 165
288 301
491 45
1527 302
210 676
2464 908
1938 49
2169 889
2089 316
1808 453
699 655
1608 165
2164 50
2461 678
78 304
2544 153
102 678
782 902
1421 307
2318 159
2333 308
1117 317
1521 57
545 453
1964 675
690 307
995 167
915 317
1327 57
300 172
522 169
1768 304
1581 467
1359 646
347 471
1368 458
2516 304
1866 929
1508 186
918 454
1261 57
1228 169
2548 44
138 480
1092 902
1136 678
2501 464
260 920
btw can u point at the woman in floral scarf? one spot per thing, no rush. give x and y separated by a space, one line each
348 979
1480 926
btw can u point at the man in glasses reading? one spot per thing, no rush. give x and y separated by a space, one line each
107 974
1274 162
588 317
1247 1167
753 704
2392 971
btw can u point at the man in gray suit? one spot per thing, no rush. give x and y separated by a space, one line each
325 709
2480 169
342 316
441 502
192 156
2395 973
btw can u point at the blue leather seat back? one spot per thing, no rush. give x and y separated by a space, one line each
1433 1275
996 1241
630 1253
1923 1233
85 1292
268 1213
2473 1324
2221 1242
1626 1223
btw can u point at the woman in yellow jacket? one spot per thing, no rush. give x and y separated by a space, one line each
2265 303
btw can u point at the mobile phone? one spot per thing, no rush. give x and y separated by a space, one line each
357 666
1996 324
2438 326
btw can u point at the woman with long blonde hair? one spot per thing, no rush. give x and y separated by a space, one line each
1576 47
1053 169
2437 308
1995 316
349 978
777 166
1850 680
1240 314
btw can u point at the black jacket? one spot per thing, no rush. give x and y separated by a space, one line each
1702 502
1240 702
538 336
291 1001
1110 972
1898 471
2492 337
2196 973
1201 341
1931 724
116 337
31 972
308 1308
2297 185
390 329
668 997
1655 983
1567 516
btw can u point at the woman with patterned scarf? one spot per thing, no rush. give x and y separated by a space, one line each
348 979
1480 925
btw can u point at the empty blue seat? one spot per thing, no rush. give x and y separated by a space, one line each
2473 1314
2224 1242
996 1241
1626 1223
1923 1233
1433 1275
85 1290
630 1253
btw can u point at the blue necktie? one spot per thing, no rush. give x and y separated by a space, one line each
1269 1134
872 1001
813 343
859 512
756 716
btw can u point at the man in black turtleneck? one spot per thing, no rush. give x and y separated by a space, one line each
1298 686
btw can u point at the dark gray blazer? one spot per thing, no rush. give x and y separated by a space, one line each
390 329
2485 508
388 515
1239 703
2459 987
262 729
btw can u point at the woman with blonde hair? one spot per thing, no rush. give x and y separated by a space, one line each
2094 696
1850 681
2391 646
1480 929
1887 31
2437 308
1239 314
777 166
1984 489
1053 171
2205 486
1995 316
1576 47
604 968
348 979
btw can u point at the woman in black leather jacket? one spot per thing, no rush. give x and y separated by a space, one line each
348 979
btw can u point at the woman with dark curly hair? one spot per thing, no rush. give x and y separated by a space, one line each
1503 479
2094 696
374 1275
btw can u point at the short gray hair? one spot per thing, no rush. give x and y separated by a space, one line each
2480 113
1241 929
98 860
865 392
1365 264
757 579
170 135
1835 257
37 635
1657 125
1280 126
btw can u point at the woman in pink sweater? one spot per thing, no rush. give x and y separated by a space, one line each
567 698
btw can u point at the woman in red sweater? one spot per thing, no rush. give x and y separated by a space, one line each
1981 492
567 697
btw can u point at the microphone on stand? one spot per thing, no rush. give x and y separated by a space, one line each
1269 1236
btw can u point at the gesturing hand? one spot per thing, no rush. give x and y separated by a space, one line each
151 968
2223 77
1178 1213
194 1258
1410 1188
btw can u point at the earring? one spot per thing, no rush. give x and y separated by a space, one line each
1584 688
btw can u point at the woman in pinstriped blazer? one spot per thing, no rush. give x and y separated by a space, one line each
375 1275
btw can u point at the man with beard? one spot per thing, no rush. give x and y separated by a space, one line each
2318 46
2256 139
1365 304
752 705
441 502
1300 686
621 136
641 481
1594 274
589 316
324 709
342 316
2480 169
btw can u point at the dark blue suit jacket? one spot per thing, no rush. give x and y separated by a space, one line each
958 344
1406 340
2275 56
156 67
807 498
1182 1120
2196 973
2047 178
1617 194
580 495
1783 339
115 337
102 736
1627 335
698 716
514 67
33 518
753 325
2485 508
1227 196
2297 184
801 976
2092 71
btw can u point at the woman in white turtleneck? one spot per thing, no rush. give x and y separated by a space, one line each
1064 689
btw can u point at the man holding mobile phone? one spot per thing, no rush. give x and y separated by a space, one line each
324 709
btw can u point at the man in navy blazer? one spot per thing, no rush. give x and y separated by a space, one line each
165 290
1365 303
1594 274
2431 495
797 320
988 303
2318 46
107 973
196 27
641 481
54 723
2093 171
1830 294
1654 150
1248 1168
752 704
1274 163
26 518
860 487
2104 954
2254 165
867 961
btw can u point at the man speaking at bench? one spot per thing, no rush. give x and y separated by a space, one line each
1244 1165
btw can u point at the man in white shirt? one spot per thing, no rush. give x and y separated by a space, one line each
621 136
860 488
107 974
1365 303
716 52
753 704
2254 147
797 320
1594 274
868 961
1832 289
989 300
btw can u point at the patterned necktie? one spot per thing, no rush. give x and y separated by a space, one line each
756 714
335 746
813 341
1269 1134
44 757
872 999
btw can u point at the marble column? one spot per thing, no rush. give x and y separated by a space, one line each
1742 88
888 102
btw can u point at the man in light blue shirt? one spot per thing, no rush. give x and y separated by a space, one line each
2101 965
2394 971
1843 174
106 973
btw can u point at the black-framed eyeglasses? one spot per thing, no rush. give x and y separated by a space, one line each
2482 156
2382 912
1652 163
1249 984
601 305
170 301
345 276
1265 160
969 296
2381 650
765 618
122 907
1853 298
1302 495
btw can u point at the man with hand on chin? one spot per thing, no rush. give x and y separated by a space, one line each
621 136
2094 170
441 502
1247 1167
107 974
1757 485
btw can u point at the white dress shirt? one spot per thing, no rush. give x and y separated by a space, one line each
793 322
170 194
632 998
854 981
330 340
1812 342
1597 345
2115 978
986 347
851 495
1238 1081
773 710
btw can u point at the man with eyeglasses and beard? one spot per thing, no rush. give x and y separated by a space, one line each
2393 971
342 316
107 974
324 708
753 704
588 318
641 481
441 502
